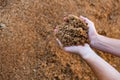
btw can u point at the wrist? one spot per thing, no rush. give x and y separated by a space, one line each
90 55
94 39
87 52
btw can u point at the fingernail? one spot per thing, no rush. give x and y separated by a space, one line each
81 17
65 18
56 29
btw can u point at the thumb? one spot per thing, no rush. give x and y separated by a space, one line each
72 49
85 19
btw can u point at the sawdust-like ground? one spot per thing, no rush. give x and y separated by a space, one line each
28 50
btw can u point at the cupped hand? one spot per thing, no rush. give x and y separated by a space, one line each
92 31
84 51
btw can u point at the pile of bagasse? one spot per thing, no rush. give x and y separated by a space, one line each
73 31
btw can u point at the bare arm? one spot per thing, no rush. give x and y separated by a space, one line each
101 68
101 42
106 44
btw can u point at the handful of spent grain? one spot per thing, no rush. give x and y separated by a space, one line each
73 32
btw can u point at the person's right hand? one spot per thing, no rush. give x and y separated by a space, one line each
92 31
84 51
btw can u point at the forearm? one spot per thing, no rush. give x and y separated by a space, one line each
106 44
102 69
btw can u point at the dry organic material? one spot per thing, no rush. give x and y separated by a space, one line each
73 31
28 50
3 3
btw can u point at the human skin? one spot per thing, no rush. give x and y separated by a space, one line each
102 69
100 42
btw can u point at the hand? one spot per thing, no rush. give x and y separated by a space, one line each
92 31
84 51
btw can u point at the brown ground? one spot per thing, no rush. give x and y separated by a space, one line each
28 50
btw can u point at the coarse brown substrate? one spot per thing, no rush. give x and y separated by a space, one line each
28 50
73 31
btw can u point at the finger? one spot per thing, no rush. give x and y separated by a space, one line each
69 49
86 19
56 30
65 18
72 49
81 17
59 43
87 45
